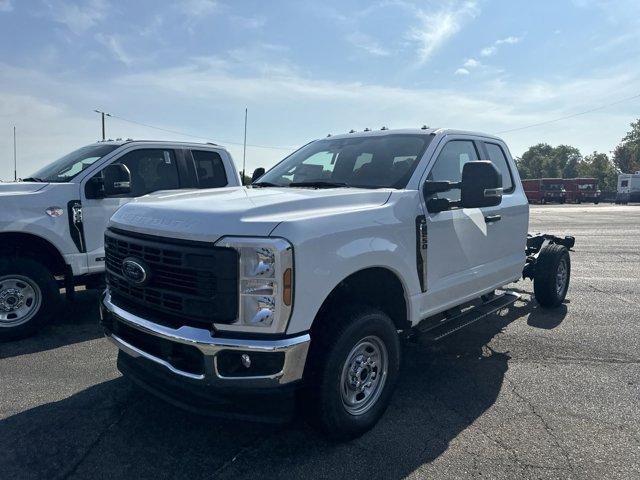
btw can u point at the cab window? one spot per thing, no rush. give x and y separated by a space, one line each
449 164
499 159
209 168
151 170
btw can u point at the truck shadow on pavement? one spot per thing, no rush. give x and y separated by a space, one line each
76 322
115 430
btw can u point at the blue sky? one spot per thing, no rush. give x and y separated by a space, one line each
305 69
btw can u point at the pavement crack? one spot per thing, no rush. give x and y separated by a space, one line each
544 423
251 447
73 468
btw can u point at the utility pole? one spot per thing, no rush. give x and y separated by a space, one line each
15 161
103 114
244 150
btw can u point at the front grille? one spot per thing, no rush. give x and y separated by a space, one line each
188 282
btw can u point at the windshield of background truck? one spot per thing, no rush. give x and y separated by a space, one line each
369 162
67 167
587 186
551 186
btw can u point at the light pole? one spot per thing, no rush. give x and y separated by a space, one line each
15 161
103 114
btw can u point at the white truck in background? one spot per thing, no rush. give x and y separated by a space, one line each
52 224
302 286
628 188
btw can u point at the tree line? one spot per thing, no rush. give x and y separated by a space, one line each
564 161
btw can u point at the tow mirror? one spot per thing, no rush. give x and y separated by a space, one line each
431 188
481 185
116 179
257 173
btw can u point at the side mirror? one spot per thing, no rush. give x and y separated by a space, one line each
431 188
257 173
116 180
481 185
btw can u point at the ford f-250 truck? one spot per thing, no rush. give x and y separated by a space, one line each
52 224
304 284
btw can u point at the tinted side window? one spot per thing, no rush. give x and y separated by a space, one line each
209 168
151 170
449 165
499 159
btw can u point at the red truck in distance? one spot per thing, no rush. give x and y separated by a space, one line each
582 190
545 190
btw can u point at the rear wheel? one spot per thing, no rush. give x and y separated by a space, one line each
353 370
552 275
28 296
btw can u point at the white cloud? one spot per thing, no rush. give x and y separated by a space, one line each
462 71
198 8
472 63
437 26
78 17
6 5
114 45
492 49
368 44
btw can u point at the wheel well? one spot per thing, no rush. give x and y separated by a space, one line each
34 247
377 287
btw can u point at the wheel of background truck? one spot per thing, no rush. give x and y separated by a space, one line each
596 202
352 372
552 275
28 296
562 201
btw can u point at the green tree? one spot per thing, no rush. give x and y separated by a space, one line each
626 156
535 161
599 166
543 160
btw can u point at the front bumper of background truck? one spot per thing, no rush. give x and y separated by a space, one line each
195 369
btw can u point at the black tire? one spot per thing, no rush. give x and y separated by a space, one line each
33 277
549 290
331 351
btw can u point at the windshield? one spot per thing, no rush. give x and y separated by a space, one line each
551 186
67 167
587 186
367 162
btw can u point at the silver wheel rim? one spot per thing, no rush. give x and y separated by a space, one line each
561 277
364 374
20 300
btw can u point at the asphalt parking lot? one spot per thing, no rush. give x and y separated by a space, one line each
525 394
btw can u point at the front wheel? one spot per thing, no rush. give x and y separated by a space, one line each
552 275
28 296
353 371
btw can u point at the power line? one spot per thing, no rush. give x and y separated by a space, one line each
570 116
176 132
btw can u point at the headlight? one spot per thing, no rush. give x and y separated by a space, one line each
265 284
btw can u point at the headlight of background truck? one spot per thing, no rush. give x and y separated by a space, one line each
265 284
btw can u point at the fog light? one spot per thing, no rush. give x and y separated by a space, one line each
246 360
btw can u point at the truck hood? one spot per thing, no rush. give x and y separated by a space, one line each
15 188
207 215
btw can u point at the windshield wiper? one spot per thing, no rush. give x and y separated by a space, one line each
264 184
318 184
32 179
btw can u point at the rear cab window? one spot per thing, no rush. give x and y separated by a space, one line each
499 159
209 169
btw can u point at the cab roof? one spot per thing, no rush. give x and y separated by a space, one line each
413 131
119 142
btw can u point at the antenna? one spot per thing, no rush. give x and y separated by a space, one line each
103 114
244 148
15 162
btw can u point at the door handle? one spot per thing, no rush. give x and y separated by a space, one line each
492 218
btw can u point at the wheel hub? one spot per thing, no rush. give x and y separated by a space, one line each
363 375
20 300
11 299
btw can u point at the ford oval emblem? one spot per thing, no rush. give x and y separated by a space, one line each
134 271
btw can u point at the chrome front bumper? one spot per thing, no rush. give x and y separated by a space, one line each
295 350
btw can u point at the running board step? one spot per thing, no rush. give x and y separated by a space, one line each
469 317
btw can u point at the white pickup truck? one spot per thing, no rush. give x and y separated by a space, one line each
52 223
304 284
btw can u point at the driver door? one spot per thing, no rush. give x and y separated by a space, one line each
459 241
152 169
